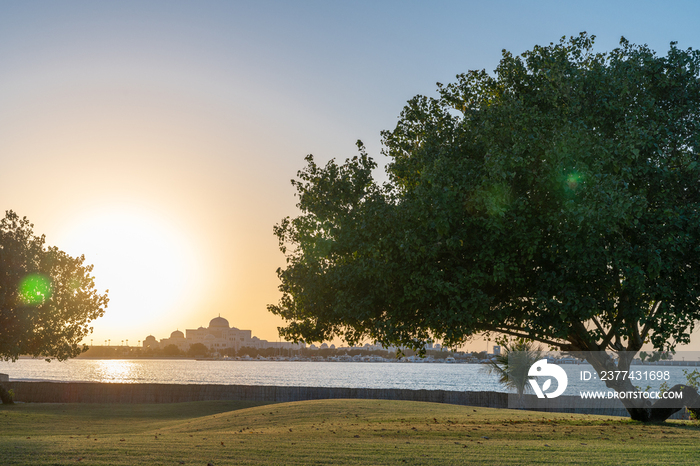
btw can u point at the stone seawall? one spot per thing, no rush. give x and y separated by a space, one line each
92 392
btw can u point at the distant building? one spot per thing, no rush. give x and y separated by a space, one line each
218 336
177 338
150 342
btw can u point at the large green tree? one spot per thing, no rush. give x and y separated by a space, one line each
47 298
556 200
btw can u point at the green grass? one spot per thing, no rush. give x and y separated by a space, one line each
349 432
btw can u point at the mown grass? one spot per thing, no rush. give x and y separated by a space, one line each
343 432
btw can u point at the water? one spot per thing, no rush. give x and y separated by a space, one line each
416 376
456 377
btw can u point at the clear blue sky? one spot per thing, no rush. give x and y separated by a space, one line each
159 138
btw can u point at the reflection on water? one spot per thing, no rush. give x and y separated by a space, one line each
453 377
302 374
120 371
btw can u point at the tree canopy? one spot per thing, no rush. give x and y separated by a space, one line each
197 349
47 298
555 200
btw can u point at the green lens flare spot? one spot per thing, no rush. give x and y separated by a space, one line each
573 180
34 289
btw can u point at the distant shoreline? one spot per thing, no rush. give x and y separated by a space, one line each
391 361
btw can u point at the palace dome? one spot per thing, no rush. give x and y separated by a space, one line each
218 322
177 334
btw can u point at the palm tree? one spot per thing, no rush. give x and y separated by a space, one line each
513 364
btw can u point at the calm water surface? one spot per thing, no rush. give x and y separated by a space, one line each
416 376
306 374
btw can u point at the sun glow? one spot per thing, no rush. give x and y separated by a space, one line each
115 371
149 267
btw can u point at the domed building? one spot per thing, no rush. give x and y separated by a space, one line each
178 339
218 336
150 342
217 327
218 322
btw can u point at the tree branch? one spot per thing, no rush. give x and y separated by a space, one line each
581 337
513 333
613 333
617 346
597 324
647 327
636 336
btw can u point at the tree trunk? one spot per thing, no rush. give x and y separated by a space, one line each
665 408
641 409
5 396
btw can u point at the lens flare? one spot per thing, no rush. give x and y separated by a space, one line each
34 289
573 180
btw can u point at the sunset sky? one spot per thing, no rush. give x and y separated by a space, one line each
159 138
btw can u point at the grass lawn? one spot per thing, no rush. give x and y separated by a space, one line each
349 432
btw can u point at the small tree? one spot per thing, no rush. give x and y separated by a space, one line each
248 351
693 381
197 349
47 298
513 364
227 352
172 350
